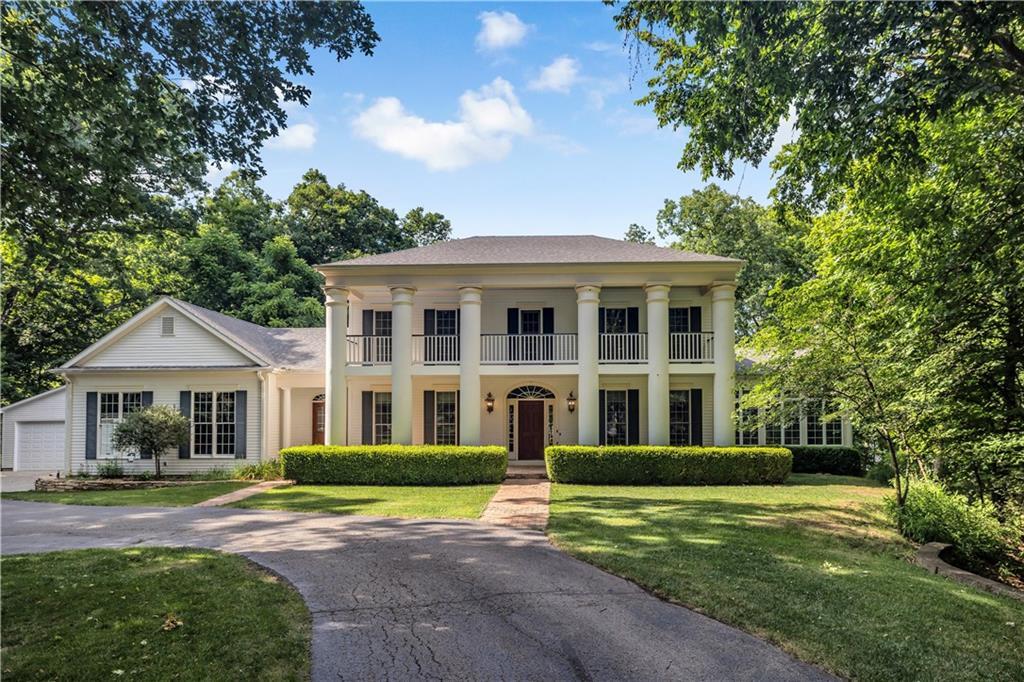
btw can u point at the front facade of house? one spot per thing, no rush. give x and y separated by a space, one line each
515 341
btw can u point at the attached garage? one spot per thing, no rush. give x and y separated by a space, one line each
33 433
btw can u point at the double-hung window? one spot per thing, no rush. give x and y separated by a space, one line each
381 336
446 322
381 418
833 427
746 422
446 410
115 406
213 424
615 321
815 436
529 322
791 423
615 417
679 320
679 417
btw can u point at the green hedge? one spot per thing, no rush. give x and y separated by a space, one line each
655 465
827 459
394 464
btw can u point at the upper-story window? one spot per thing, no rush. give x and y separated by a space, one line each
381 323
446 322
529 322
679 320
615 321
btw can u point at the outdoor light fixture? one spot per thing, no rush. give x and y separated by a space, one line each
571 402
489 402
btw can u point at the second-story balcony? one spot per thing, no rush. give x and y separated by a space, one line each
527 349
691 347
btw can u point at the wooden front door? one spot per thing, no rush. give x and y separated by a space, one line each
319 422
531 430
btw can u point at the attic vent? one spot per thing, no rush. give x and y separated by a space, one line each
166 326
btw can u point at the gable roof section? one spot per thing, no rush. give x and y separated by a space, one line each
539 250
37 396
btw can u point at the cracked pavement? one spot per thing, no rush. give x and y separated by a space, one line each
396 599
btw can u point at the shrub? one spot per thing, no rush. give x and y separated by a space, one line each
827 459
267 470
656 465
110 468
932 514
882 472
395 464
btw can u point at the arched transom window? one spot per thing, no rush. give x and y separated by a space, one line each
530 393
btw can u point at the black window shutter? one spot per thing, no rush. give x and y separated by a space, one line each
602 424
513 320
632 320
367 323
696 417
91 414
600 320
241 402
458 321
429 326
367 417
458 418
147 401
428 417
185 407
695 323
548 321
633 416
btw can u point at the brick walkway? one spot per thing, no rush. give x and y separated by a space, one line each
240 494
520 503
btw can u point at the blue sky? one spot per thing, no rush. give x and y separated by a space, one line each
513 118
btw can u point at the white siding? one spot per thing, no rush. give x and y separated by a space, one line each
190 346
50 407
166 387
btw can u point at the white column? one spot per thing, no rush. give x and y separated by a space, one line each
336 394
286 418
657 364
587 300
723 315
469 365
401 365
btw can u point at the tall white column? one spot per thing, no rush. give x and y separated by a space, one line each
657 364
587 300
469 365
723 315
286 417
401 365
336 393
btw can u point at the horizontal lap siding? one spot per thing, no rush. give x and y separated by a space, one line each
190 346
166 387
46 409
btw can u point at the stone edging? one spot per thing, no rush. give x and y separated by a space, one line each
928 557
52 485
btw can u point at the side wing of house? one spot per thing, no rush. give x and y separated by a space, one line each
33 433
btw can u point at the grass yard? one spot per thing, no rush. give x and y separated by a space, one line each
811 565
151 614
439 502
171 496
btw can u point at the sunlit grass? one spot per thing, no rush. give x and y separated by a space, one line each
812 565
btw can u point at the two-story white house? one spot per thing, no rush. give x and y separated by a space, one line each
514 341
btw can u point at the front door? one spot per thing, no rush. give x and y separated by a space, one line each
531 429
318 422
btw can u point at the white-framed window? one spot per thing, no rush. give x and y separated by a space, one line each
615 421
679 417
529 321
746 422
381 418
113 407
815 429
446 418
833 426
773 433
791 422
167 325
615 321
446 322
213 424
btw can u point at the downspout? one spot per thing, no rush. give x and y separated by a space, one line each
261 374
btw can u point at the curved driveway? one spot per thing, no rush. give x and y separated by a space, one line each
404 599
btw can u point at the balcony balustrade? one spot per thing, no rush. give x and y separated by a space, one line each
691 347
527 349
430 349
631 347
368 349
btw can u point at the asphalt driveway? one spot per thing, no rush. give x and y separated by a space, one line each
413 599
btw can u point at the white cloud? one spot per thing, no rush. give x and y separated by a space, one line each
489 119
630 123
298 136
599 89
558 76
601 46
499 30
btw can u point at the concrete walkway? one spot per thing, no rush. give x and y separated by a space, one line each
416 599
520 503
241 494
19 481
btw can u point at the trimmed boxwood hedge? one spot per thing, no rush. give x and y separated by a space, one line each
657 465
827 459
395 464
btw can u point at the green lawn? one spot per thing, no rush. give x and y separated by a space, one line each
150 614
811 565
171 496
452 502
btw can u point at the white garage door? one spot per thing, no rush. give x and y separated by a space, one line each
40 446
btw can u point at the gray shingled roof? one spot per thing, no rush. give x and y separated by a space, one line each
287 347
534 249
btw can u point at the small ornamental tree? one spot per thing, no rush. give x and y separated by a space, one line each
152 430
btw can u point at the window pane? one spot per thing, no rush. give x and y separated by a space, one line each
678 320
615 320
226 423
615 417
833 427
814 431
679 417
202 422
445 418
109 406
773 434
382 323
382 418
791 421
529 322
131 402
444 323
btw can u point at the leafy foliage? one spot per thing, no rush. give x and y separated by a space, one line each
152 430
655 465
267 470
395 464
827 459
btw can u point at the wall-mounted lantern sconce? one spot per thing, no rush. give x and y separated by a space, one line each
571 402
489 402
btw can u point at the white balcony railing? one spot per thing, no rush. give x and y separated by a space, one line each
369 350
522 349
432 349
622 347
691 347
